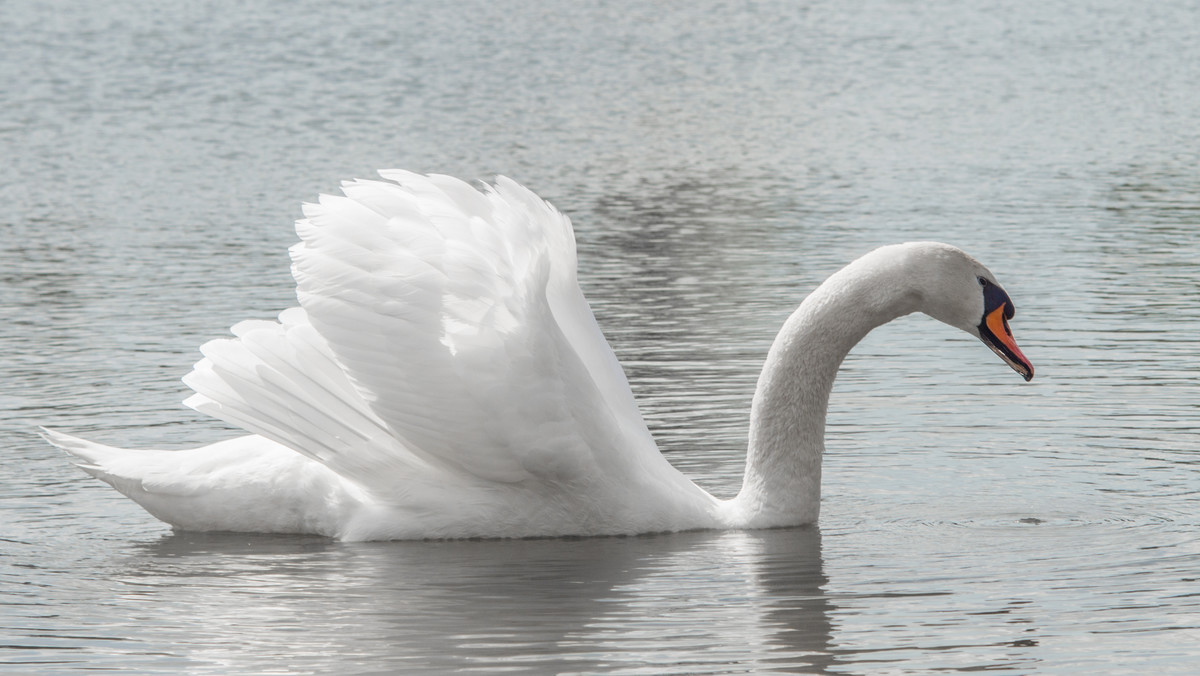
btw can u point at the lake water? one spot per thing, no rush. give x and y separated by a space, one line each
718 161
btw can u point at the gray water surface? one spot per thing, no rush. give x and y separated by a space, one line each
718 162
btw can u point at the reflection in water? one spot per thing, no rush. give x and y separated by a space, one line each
796 612
544 605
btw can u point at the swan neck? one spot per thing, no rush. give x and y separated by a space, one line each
782 485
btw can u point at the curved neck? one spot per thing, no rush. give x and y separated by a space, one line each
782 485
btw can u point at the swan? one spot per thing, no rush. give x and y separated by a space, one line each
443 377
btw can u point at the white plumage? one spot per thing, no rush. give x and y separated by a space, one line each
444 377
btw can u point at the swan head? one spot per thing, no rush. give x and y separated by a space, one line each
958 290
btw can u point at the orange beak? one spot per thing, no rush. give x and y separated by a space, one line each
995 334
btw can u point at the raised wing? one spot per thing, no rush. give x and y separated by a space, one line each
280 380
462 340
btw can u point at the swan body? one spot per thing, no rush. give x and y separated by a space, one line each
443 377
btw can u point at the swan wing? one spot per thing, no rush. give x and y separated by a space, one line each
442 335
280 380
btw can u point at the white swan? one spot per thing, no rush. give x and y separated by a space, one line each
444 377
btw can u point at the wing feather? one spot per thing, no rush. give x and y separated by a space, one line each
442 336
280 380
458 341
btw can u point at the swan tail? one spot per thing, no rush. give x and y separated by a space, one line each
127 470
245 484
89 456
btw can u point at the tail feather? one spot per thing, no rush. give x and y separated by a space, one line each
107 463
89 456
245 484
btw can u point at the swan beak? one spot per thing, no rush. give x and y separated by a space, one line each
995 334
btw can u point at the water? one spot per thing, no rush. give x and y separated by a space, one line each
718 162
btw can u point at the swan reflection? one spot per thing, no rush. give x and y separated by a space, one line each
540 605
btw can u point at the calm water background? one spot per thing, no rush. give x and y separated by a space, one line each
718 162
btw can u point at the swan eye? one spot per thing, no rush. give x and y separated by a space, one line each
983 282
